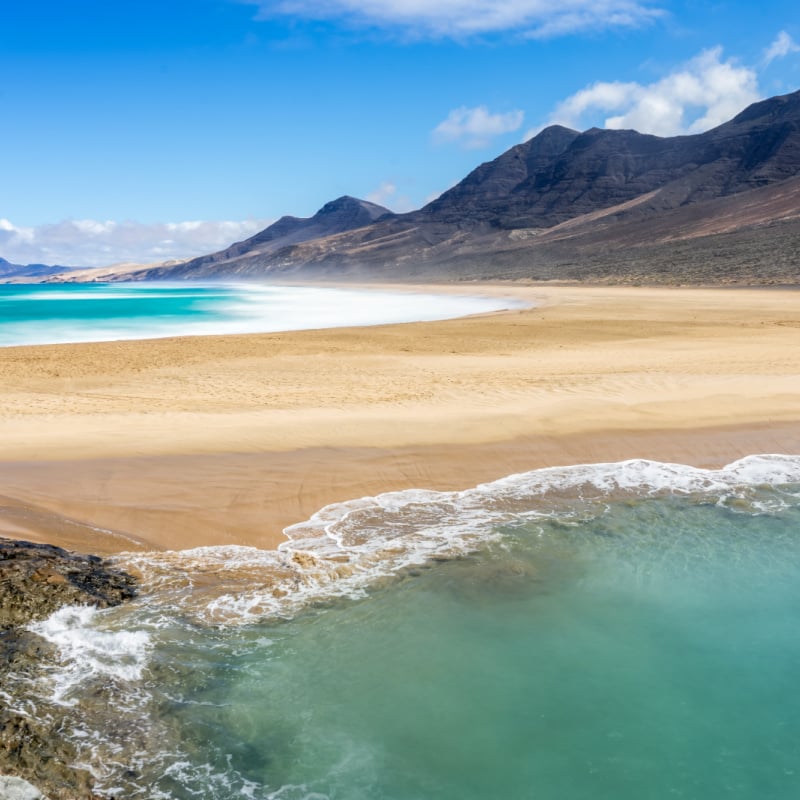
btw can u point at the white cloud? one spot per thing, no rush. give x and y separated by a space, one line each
383 194
780 48
699 95
386 195
88 243
465 18
475 127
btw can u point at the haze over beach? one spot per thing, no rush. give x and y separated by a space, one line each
399 402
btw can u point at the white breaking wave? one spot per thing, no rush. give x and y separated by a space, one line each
88 651
341 551
346 547
228 309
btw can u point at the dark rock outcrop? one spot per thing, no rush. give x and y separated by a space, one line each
36 580
29 747
29 750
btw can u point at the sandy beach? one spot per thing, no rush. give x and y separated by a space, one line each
176 443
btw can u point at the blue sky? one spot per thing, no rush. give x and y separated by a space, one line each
148 130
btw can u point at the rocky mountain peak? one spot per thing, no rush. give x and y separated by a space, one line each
614 188
351 211
770 110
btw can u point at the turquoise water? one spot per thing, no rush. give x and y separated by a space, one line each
54 313
619 631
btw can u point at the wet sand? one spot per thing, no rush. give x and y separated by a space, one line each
176 443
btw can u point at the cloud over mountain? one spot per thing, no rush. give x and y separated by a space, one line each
695 97
91 243
783 46
476 127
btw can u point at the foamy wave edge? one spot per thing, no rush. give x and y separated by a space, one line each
347 547
341 551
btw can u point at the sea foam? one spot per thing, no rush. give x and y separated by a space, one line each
347 547
342 551
48 314
89 652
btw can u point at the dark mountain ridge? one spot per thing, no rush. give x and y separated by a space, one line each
545 201
343 214
9 270
561 174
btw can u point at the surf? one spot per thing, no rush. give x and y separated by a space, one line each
569 631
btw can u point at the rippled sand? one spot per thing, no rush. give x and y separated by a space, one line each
178 443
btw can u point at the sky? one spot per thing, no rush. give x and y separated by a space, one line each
143 131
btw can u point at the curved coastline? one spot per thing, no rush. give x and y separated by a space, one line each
187 442
143 311
215 446
510 546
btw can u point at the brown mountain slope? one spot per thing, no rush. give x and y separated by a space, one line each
568 203
343 214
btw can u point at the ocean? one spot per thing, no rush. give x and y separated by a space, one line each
92 312
620 631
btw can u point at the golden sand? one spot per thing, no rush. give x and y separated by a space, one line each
173 443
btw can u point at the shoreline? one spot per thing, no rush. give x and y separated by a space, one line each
182 501
217 324
176 443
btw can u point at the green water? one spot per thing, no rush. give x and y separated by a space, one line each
648 652
53 313
86 312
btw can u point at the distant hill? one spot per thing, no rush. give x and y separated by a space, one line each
598 205
338 216
15 271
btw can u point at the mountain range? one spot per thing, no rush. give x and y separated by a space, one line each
37 271
604 205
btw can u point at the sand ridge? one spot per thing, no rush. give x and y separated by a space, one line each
202 440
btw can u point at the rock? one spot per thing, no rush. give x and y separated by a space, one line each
35 581
38 579
29 749
19 649
18 789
